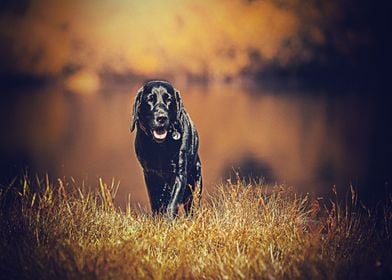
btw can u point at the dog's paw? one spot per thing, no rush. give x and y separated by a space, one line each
171 213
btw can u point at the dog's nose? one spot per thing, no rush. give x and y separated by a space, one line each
161 119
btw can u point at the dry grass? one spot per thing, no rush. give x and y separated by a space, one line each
66 231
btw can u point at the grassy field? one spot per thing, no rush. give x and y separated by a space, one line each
61 230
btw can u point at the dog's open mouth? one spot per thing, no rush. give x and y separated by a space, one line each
159 134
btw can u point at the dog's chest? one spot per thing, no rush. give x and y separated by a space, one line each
159 159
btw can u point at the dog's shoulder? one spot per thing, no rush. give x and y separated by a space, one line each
189 132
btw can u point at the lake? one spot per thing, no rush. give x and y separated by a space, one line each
310 140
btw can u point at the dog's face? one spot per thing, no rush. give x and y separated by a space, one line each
156 109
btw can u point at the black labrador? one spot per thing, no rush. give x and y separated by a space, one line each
166 145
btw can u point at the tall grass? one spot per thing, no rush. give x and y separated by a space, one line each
65 230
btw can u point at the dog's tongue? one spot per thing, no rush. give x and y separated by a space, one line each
160 134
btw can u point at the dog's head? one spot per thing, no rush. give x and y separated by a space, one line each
156 109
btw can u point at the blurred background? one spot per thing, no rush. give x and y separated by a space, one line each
294 92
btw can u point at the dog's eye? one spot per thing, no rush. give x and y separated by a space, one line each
151 98
167 98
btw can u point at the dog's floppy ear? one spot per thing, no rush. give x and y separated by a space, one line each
136 105
179 104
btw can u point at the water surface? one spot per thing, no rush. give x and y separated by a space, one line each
307 139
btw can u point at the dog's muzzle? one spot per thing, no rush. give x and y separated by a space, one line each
160 131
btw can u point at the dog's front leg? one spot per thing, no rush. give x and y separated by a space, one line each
178 187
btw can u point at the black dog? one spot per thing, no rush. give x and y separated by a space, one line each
166 145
